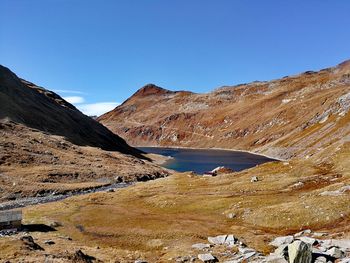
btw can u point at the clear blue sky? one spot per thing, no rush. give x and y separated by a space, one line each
108 49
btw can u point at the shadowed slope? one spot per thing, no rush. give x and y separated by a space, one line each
23 102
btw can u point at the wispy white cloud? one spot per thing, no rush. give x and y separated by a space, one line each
74 99
68 91
97 109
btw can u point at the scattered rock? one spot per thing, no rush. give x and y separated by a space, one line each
281 251
317 234
254 179
249 255
65 237
279 241
245 250
321 259
8 232
79 256
275 259
222 170
208 258
49 242
341 243
231 215
218 240
338 192
30 244
303 249
55 224
185 259
201 246
308 240
298 185
335 252
299 252
230 240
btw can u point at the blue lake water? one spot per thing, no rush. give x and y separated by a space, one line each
204 160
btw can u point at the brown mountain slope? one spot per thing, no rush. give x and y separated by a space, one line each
47 145
293 116
24 102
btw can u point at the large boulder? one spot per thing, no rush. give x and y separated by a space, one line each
222 170
218 240
207 258
299 252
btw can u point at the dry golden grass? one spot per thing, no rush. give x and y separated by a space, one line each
32 162
161 219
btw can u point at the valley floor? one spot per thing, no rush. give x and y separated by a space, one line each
160 220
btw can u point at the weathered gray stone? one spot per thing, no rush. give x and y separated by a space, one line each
318 234
299 252
231 215
249 255
281 251
218 240
341 243
337 192
278 241
318 250
335 252
245 250
185 259
321 259
208 258
303 232
307 231
49 242
201 246
308 240
254 179
230 240
275 259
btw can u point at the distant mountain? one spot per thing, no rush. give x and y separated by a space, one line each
293 116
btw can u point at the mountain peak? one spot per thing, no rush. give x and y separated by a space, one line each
344 65
151 89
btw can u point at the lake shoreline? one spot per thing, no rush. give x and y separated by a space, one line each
221 149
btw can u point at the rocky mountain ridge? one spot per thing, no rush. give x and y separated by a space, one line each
295 116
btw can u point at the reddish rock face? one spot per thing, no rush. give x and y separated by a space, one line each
151 89
293 116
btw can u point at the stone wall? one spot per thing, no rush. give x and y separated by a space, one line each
10 219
